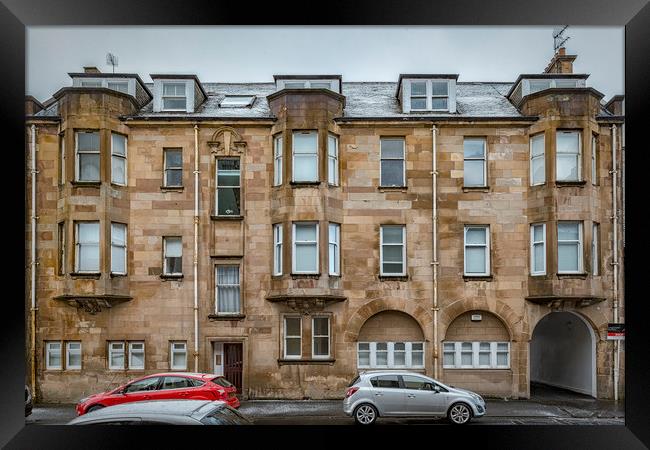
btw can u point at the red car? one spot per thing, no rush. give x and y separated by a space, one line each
165 386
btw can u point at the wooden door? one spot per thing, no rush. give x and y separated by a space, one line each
233 364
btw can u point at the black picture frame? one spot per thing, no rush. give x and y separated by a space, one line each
15 15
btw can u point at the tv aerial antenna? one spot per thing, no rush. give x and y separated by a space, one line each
111 59
558 37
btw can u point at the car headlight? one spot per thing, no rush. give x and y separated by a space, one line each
477 398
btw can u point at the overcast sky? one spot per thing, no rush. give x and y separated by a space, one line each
358 53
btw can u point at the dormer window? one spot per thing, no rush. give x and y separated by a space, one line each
174 96
420 93
91 83
237 101
126 83
439 95
121 86
331 82
532 83
308 84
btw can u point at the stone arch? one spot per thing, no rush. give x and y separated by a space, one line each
226 141
421 315
490 328
598 328
391 325
508 317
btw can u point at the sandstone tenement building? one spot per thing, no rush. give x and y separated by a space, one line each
290 234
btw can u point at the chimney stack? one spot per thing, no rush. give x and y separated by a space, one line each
561 62
91 69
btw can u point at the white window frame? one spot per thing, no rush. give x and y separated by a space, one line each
115 156
217 187
332 160
216 290
287 336
49 350
77 166
429 94
334 247
534 243
173 351
293 156
68 352
484 159
594 160
293 249
579 158
131 352
163 96
390 352
314 336
307 84
580 246
165 268
277 248
166 168
419 96
123 247
121 83
403 159
476 350
381 251
486 229
595 249
278 153
77 256
115 347
533 158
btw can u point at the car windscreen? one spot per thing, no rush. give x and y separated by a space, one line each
354 381
221 381
224 416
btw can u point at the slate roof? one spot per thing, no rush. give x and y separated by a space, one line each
363 100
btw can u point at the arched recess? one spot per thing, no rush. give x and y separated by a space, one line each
563 352
508 317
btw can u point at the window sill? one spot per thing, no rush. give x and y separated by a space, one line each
478 277
118 275
570 183
226 316
88 275
330 185
392 188
119 186
576 276
305 276
166 277
476 188
299 184
172 188
226 217
393 277
92 184
328 361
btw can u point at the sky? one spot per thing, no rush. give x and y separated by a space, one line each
358 53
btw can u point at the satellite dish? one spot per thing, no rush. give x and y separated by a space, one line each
111 59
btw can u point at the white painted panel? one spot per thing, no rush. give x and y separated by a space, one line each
217 358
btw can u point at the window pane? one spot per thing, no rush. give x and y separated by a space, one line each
502 359
387 381
320 85
88 167
419 103
399 358
393 253
228 172
382 358
174 178
117 359
173 88
321 346
118 257
419 88
539 85
393 268
416 359
179 359
392 235
118 234
538 233
392 172
538 168
173 247
538 258
293 326
438 103
568 257
118 170
321 326
331 145
466 359
121 87
305 167
293 346
228 200
173 158
567 142
119 144
568 231
88 141
439 87
474 173
484 359
537 145
567 167
294 85
474 148
475 260
449 359
306 257
174 103
364 358
236 101
475 236
417 346
88 232
392 148
305 232
332 168
305 142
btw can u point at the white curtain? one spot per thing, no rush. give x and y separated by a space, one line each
228 289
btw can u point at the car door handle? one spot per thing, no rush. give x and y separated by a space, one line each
146 396
184 394
411 396
379 394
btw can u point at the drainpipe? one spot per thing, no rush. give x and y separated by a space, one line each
33 264
434 238
615 257
195 261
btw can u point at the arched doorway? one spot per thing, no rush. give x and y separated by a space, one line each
391 339
563 353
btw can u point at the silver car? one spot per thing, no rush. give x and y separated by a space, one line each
402 394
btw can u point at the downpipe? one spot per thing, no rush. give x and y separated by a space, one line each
195 258
434 238
33 264
615 262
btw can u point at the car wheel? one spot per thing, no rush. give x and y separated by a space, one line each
459 414
94 408
365 414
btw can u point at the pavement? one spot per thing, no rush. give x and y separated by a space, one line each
545 407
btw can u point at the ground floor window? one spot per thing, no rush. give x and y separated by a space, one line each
178 359
117 355
476 355
390 355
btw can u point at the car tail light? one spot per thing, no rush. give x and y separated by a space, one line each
350 392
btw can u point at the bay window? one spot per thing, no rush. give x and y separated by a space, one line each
538 249
118 159
277 159
118 248
568 158
334 249
569 251
537 161
305 156
277 249
333 160
305 248
87 155
87 247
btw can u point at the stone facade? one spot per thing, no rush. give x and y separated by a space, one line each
362 306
